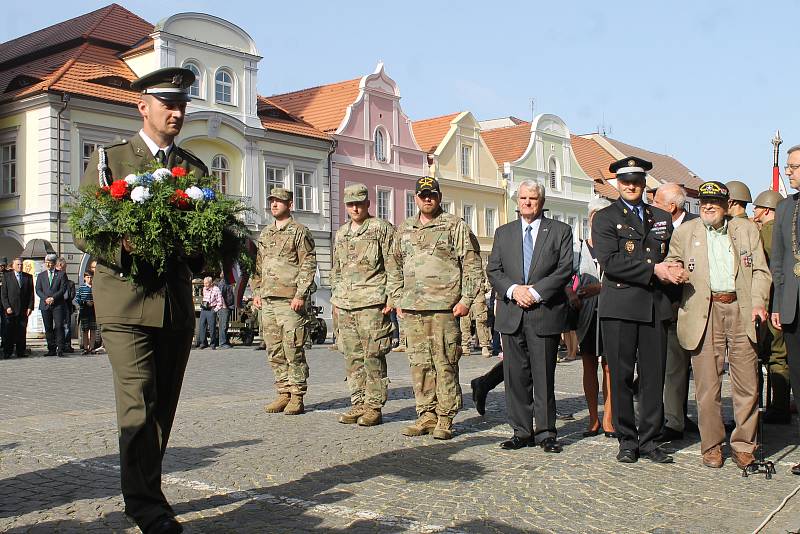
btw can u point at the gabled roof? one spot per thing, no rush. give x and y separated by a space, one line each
665 168
323 106
594 160
146 46
275 118
509 143
430 132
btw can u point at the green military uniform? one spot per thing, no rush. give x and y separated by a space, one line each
285 268
778 366
364 278
147 333
479 313
441 268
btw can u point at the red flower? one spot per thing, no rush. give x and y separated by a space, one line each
178 172
119 189
180 199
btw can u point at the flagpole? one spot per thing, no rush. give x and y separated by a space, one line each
776 172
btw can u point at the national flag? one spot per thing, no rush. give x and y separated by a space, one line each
777 181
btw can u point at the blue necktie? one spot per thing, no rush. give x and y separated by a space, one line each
527 253
639 212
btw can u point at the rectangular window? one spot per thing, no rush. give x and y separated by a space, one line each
466 160
8 168
573 223
447 207
384 204
558 217
411 206
274 179
469 216
303 189
88 148
490 222
585 228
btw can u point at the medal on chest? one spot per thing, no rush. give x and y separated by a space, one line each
629 246
691 265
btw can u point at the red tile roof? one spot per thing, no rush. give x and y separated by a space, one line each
509 143
275 118
665 168
146 46
430 132
323 106
594 160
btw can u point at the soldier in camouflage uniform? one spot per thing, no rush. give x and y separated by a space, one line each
441 278
365 281
283 281
479 313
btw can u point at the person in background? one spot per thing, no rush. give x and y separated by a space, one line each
51 285
98 343
212 303
3 318
69 305
17 300
229 304
86 316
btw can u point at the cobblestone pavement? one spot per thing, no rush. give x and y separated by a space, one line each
233 468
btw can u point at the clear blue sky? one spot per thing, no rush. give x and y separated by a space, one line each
706 82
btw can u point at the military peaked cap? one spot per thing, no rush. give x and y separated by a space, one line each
170 84
630 168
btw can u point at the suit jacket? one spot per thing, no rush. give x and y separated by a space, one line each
116 299
56 289
550 270
18 297
627 249
782 261
689 245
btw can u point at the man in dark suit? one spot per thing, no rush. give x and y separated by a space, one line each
671 198
51 285
147 326
785 267
631 240
17 299
529 266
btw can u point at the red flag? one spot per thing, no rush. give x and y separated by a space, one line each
777 182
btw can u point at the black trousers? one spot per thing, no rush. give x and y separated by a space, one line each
529 365
14 335
626 344
148 365
493 377
791 334
53 319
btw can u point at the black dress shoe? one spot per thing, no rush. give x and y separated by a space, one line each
164 525
612 434
627 456
592 433
670 434
550 445
479 394
796 469
690 427
658 456
515 443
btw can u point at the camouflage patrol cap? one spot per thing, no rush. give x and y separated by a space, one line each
281 194
170 84
356 193
768 199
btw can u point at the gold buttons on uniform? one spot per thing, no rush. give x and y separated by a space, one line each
648 249
649 260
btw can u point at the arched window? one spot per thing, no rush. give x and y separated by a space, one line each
220 169
380 145
195 89
223 87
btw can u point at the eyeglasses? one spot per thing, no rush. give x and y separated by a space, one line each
792 167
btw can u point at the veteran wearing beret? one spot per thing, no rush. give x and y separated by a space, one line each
365 284
727 288
147 327
284 280
631 240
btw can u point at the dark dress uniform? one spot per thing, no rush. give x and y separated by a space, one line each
147 330
634 312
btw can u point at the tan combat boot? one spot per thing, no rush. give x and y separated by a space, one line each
295 406
352 415
279 404
444 428
371 417
486 352
424 425
465 350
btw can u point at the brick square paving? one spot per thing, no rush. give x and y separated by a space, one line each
231 467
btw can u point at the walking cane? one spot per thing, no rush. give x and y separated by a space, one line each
761 465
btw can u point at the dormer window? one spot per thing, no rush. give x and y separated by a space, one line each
196 90
223 87
381 145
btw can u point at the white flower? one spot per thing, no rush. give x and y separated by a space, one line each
194 192
131 179
140 194
160 174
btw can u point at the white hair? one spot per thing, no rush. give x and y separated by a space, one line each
596 204
533 185
673 194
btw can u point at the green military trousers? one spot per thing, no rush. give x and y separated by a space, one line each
778 368
365 336
433 343
285 333
148 365
479 313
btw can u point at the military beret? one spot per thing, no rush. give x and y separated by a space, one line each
170 84
426 183
712 191
356 193
281 194
51 257
630 168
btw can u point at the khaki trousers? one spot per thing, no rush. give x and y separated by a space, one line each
725 332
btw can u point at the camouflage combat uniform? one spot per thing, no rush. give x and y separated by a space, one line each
285 269
365 278
479 313
441 268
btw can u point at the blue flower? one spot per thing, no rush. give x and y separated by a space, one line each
146 179
209 193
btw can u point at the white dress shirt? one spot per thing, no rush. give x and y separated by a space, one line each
677 222
534 233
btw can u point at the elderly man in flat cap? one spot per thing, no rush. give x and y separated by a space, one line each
147 327
728 287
